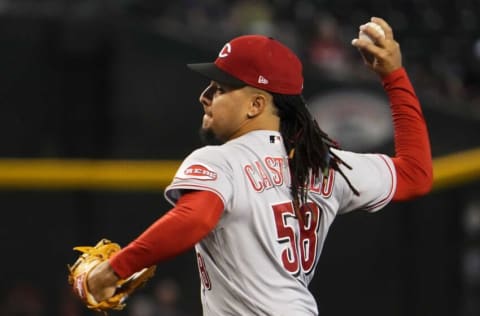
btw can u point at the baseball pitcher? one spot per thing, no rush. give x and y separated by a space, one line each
257 208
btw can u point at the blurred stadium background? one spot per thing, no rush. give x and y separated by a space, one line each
97 109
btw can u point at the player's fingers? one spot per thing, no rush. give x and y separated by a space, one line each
373 33
391 51
369 51
384 25
366 46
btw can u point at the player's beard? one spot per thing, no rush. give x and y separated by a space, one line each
208 137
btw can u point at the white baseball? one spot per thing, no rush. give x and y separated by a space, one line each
378 28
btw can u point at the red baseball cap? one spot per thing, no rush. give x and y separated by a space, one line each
258 61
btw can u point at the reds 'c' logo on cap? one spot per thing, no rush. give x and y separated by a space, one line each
226 50
200 172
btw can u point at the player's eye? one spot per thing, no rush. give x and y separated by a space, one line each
220 90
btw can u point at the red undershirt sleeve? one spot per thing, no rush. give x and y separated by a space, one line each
413 160
194 216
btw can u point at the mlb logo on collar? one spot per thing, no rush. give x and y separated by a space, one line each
275 139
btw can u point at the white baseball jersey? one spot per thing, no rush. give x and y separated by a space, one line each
260 257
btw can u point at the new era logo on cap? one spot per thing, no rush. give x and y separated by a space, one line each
262 80
257 61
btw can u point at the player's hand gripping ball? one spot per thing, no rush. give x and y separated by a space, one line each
364 36
376 27
87 261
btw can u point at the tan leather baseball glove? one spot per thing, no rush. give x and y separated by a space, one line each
89 259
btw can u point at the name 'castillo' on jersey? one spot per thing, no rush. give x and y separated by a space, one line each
260 257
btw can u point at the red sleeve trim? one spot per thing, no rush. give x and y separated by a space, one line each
413 161
195 187
194 216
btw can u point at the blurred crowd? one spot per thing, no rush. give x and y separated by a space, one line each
440 39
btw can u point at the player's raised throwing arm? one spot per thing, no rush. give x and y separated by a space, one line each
413 162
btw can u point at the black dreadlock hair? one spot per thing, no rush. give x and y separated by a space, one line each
308 147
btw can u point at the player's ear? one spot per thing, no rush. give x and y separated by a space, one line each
258 103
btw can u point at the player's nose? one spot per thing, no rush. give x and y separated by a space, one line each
206 96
